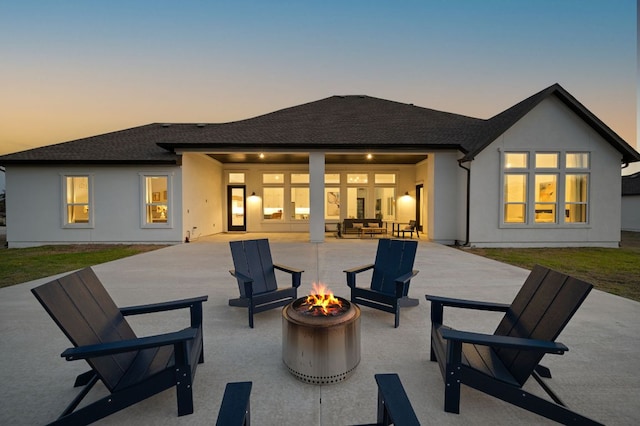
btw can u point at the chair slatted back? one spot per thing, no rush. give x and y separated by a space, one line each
541 309
253 259
87 315
394 258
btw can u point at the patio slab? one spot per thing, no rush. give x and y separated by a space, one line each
598 377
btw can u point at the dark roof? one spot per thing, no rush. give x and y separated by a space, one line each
631 184
500 123
336 123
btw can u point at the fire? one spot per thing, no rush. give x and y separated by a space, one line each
322 301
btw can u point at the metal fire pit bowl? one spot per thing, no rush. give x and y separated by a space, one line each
321 350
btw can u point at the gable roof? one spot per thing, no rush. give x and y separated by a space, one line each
500 123
336 123
631 184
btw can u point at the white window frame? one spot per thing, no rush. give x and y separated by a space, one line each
530 171
143 200
63 185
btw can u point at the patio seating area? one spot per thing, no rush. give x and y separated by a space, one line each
598 377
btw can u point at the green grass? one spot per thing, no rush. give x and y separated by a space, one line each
615 271
26 264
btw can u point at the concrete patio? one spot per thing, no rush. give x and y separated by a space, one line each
598 377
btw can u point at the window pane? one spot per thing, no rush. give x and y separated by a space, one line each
576 213
236 177
516 160
577 160
356 202
77 199
546 188
156 199
272 203
332 206
547 160
300 203
273 178
515 188
357 178
514 213
385 207
332 178
385 178
299 177
576 188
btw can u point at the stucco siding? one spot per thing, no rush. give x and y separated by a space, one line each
36 216
203 196
444 207
549 127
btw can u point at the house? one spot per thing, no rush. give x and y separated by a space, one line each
538 174
631 202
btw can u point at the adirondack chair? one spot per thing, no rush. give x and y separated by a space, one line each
131 368
392 273
394 407
255 273
235 409
500 364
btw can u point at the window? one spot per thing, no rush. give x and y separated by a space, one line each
77 200
300 203
332 203
515 198
236 177
156 200
277 178
357 178
385 178
535 194
385 207
272 203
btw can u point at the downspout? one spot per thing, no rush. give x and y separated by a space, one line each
466 237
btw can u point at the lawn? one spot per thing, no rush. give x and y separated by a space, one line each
615 271
26 264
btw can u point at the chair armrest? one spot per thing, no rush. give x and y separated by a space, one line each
92 351
393 402
240 276
468 304
296 274
402 283
163 306
503 341
406 277
351 273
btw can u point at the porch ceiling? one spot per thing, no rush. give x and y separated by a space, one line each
303 158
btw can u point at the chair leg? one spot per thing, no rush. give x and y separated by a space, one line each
453 377
250 311
184 391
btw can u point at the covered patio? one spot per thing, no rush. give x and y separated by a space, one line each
598 377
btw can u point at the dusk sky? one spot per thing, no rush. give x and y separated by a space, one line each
71 69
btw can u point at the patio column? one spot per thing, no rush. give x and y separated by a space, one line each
316 195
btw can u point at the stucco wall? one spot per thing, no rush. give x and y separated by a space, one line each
631 213
552 127
34 206
443 197
203 196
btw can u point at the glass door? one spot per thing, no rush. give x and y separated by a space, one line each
236 207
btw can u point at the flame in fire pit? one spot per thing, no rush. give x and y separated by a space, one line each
322 302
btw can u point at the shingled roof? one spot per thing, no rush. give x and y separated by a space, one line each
335 123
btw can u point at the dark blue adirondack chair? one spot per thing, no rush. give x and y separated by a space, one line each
500 364
132 368
255 272
392 274
235 409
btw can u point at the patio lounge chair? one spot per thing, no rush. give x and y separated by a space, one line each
255 272
131 368
235 409
500 364
392 273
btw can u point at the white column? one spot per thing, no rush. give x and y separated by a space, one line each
316 193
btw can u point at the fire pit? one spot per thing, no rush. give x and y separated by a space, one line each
321 337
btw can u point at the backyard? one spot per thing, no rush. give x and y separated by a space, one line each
616 271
